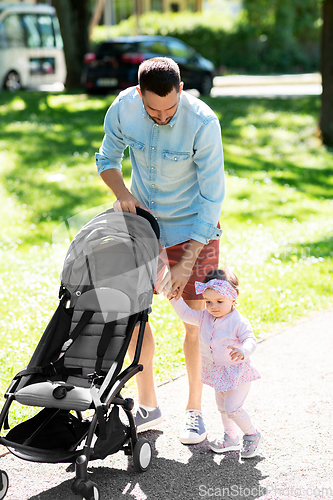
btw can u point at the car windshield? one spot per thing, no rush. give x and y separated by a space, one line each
115 48
154 46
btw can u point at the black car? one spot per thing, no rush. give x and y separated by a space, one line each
115 63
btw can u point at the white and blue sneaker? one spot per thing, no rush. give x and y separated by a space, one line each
194 430
145 419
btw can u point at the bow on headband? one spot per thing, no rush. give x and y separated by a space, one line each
220 286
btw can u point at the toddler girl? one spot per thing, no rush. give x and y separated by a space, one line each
226 342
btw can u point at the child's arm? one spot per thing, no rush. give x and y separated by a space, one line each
247 338
185 313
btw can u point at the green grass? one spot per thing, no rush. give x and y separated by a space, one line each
276 218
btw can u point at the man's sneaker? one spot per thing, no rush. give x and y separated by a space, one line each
194 430
251 445
145 419
227 444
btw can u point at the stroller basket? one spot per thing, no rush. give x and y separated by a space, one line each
106 291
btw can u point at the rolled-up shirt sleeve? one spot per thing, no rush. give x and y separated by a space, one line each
208 158
112 149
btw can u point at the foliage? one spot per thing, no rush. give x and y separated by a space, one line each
276 218
267 37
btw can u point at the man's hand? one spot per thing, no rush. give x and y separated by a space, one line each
175 281
127 203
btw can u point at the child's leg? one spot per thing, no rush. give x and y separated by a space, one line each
233 404
229 425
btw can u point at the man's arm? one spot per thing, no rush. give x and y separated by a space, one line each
108 161
126 202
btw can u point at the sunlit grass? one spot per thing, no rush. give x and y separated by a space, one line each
276 218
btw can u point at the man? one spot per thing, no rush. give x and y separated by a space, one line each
176 153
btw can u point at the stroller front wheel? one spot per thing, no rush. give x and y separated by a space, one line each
86 490
4 483
142 455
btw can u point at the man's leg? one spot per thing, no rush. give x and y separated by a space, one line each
148 414
193 359
194 430
145 379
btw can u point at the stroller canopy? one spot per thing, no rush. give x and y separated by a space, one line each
115 250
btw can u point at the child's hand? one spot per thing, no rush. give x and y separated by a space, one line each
235 354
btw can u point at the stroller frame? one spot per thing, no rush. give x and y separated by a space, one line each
109 398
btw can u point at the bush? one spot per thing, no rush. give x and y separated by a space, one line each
232 44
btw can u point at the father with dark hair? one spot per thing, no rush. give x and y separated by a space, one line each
175 147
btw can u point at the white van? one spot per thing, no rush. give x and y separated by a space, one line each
31 48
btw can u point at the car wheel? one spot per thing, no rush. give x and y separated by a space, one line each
206 85
12 81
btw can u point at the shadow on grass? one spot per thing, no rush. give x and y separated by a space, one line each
318 249
49 133
268 117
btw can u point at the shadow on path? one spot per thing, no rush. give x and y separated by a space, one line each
204 475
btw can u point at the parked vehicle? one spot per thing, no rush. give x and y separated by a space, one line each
31 49
114 63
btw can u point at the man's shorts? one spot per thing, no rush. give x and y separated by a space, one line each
208 259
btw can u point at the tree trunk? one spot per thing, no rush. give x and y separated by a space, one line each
96 17
74 17
326 116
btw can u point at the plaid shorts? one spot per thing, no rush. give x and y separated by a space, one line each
207 260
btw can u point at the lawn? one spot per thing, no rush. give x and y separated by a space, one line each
276 218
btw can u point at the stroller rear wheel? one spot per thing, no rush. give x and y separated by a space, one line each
4 483
142 454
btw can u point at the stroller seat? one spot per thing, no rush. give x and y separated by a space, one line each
112 309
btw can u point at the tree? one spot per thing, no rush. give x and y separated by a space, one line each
74 17
326 115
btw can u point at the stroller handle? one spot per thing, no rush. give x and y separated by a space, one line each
151 219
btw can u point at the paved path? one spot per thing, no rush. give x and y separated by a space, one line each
267 86
292 404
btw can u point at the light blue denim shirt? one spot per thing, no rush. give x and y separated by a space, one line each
177 169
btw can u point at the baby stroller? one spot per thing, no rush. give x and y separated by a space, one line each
75 375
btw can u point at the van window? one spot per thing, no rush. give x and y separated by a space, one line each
39 30
58 37
14 34
32 34
46 30
30 30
